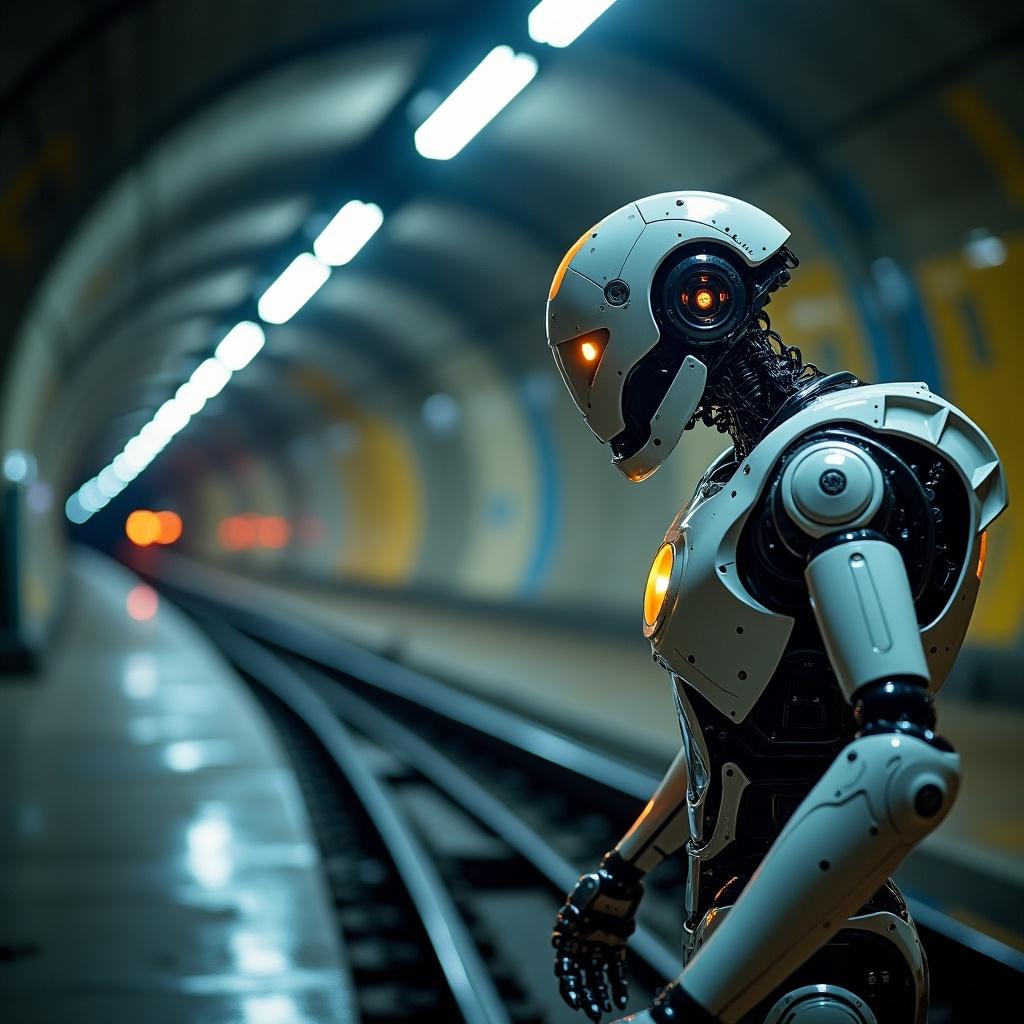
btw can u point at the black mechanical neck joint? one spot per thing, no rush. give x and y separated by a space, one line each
750 382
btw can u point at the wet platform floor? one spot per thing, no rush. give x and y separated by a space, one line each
156 861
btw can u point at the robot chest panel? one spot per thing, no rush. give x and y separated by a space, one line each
709 630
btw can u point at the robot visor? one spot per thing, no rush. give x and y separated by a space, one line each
703 298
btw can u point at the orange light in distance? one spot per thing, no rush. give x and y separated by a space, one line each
273 532
239 533
982 553
142 527
236 533
704 299
657 583
590 351
170 527
142 602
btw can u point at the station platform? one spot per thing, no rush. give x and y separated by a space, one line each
156 860
601 685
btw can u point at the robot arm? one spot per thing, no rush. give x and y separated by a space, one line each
596 920
884 793
663 827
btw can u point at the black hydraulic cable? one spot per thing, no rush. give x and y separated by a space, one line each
465 971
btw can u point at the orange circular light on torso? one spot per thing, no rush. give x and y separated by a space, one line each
657 583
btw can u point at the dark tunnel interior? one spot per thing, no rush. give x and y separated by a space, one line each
248 289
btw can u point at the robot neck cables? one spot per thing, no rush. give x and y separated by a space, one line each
807 604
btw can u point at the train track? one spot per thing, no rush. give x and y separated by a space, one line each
451 829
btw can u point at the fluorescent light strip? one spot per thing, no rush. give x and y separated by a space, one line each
488 89
75 511
191 397
91 497
209 378
172 416
349 230
560 22
109 483
298 283
237 347
138 454
240 345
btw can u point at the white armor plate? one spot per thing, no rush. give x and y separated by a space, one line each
725 644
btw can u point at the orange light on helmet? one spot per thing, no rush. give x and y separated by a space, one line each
580 360
982 553
556 281
657 583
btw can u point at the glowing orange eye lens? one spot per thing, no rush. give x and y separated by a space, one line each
704 299
590 351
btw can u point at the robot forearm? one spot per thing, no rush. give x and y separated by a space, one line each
662 828
882 795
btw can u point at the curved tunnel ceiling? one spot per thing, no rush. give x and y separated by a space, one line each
231 138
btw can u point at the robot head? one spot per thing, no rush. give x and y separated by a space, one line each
648 303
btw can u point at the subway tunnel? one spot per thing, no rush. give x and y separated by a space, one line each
394 502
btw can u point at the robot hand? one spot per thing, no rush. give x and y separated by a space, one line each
590 936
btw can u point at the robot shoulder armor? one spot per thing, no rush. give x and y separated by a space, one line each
914 413
701 617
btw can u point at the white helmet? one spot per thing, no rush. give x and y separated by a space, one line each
647 302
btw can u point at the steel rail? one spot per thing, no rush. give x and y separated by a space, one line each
457 784
467 975
320 645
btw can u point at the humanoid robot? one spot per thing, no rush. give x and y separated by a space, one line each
807 603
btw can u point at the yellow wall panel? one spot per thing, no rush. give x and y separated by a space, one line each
977 323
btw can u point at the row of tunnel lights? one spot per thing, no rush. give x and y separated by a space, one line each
485 92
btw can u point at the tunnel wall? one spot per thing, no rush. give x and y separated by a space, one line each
408 426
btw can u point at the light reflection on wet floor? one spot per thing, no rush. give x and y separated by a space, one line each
155 857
